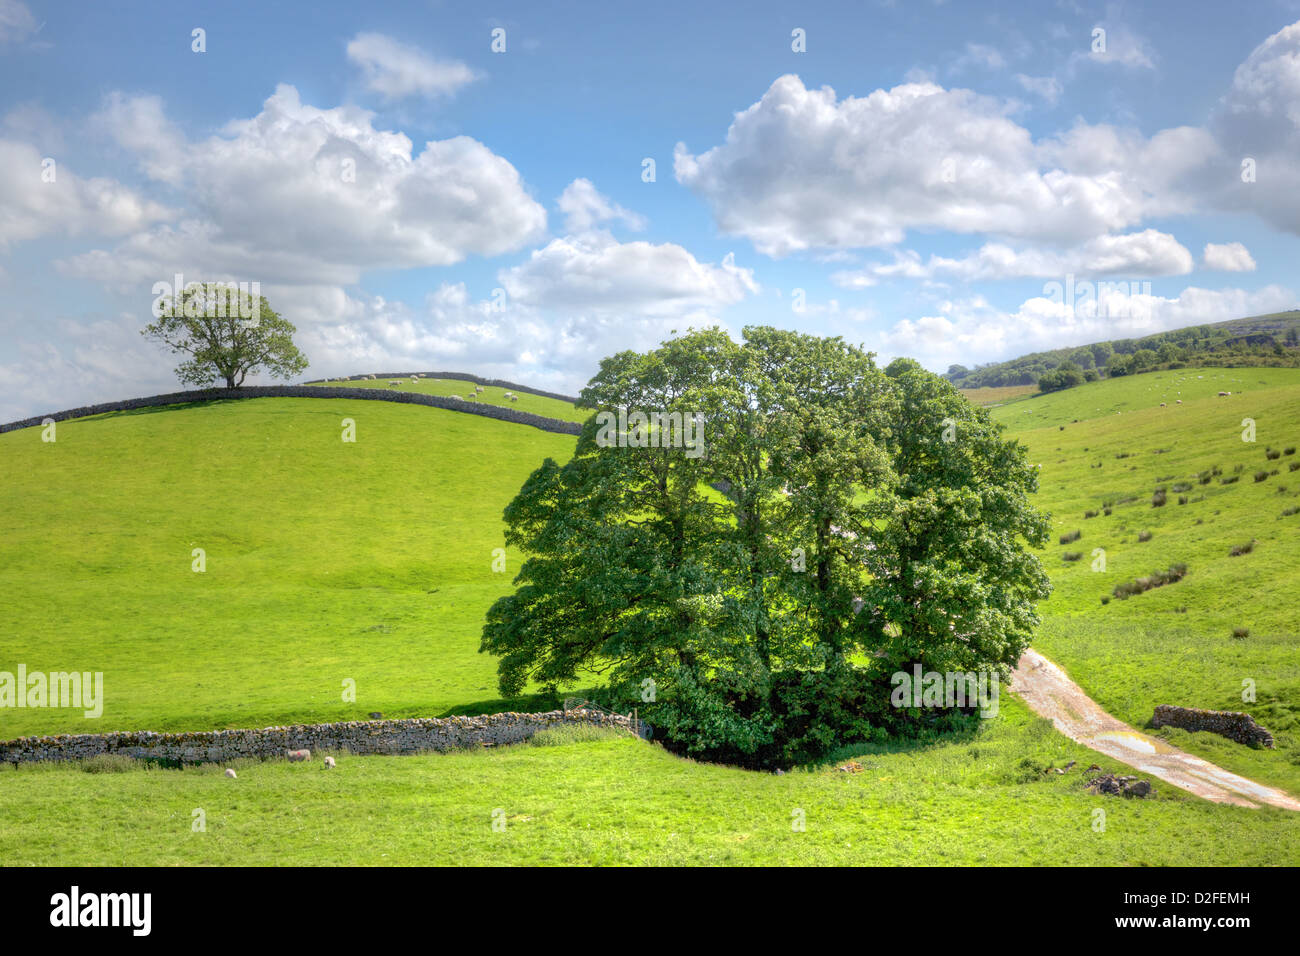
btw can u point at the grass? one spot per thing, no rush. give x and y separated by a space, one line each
491 395
326 561
371 562
1174 644
983 800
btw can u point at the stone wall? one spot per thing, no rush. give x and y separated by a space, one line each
309 391
1231 724
416 735
462 376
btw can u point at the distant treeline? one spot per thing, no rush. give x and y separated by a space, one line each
1272 340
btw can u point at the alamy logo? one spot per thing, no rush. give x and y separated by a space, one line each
951 689
651 430
74 909
56 689
214 300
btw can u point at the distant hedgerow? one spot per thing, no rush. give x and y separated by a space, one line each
1158 579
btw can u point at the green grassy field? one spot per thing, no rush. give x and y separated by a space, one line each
1175 644
491 395
371 562
325 560
978 801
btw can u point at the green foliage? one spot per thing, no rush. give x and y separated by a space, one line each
220 345
838 513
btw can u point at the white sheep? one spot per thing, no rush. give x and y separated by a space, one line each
457 397
296 756
477 389
231 773
329 763
514 398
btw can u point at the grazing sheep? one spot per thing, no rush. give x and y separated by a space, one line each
1221 394
297 756
231 773
477 389
1179 401
329 763
392 385
1162 404
514 398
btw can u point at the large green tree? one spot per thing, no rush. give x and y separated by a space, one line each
841 522
226 334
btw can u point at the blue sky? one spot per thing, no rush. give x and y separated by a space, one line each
916 179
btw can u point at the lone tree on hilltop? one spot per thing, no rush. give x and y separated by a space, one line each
227 333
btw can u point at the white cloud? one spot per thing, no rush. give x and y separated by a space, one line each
592 272
1119 46
397 70
300 194
585 208
31 206
1228 257
1046 87
980 55
16 22
922 157
971 331
1258 122
1141 254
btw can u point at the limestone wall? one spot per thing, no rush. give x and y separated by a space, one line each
1235 726
355 736
309 391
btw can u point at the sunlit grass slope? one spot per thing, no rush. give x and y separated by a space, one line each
983 800
326 561
491 395
1175 644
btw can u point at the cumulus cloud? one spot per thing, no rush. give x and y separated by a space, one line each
584 208
1257 123
297 193
593 272
1228 257
971 330
37 199
396 70
919 156
1141 254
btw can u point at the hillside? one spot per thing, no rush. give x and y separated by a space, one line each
370 562
525 401
1260 340
325 561
1110 444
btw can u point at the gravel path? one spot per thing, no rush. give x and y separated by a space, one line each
1050 693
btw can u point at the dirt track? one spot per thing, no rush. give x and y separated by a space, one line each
1050 693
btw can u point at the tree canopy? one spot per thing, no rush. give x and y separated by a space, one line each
844 522
227 333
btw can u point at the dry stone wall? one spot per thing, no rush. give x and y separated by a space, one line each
465 377
309 391
415 735
1231 724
